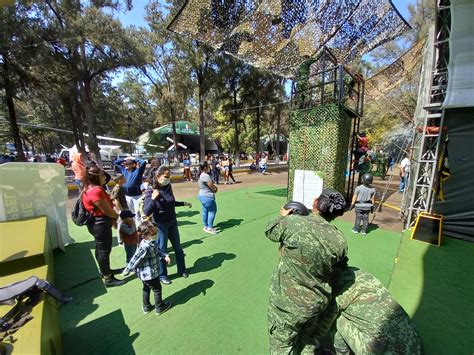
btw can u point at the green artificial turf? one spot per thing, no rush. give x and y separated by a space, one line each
222 306
435 285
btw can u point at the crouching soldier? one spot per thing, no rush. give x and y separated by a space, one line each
368 319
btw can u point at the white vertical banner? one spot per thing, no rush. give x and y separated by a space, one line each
307 186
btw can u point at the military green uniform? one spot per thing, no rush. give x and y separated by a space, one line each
370 321
299 293
381 165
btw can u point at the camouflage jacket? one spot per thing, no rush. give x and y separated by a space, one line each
310 248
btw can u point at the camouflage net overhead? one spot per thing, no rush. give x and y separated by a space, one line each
394 74
279 35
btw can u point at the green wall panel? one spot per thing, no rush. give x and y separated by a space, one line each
319 141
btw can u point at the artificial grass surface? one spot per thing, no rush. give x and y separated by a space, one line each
435 286
221 307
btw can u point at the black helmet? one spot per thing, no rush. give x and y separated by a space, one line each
297 207
367 178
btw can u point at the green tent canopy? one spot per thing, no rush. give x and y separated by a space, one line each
187 132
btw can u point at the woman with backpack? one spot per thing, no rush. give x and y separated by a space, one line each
98 203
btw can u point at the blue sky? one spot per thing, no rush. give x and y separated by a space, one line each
136 16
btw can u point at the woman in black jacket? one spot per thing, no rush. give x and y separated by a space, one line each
160 202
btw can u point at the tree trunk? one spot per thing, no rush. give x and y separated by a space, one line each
277 148
175 136
257 123
202 138
236 127
86 94
9 95
90 120
77 121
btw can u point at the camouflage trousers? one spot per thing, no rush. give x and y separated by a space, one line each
394 340
290 335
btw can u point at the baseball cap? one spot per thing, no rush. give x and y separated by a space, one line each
126 214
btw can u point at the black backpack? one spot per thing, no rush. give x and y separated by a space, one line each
79 215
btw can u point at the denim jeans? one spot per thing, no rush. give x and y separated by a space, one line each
404 180
215 175
361 216
169 231
129 251
101 230
209 210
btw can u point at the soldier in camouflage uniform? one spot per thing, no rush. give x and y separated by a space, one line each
369 320
310 248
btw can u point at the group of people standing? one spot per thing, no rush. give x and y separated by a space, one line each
313 288
144 214
219 164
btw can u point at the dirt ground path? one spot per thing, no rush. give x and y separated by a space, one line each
387 218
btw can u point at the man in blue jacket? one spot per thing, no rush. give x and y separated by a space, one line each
132 169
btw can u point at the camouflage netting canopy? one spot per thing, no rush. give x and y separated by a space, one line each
397 72
279 35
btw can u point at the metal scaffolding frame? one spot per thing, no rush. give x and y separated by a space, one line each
428 136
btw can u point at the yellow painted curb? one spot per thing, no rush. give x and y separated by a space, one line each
389 206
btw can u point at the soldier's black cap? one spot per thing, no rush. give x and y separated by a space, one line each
297 207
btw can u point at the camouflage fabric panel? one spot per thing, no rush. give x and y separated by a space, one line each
371 321
319 141
299 291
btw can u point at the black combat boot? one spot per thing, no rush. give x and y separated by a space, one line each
111 281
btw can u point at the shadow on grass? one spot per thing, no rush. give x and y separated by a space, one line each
275 192
448 286
181 214
105 335
191 242
191 291
230 223
207 263
372 227
186 223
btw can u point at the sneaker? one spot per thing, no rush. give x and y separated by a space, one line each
163 308
185 274
147 308
165 281
205 229
111 281
212 231
364 233
354 231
